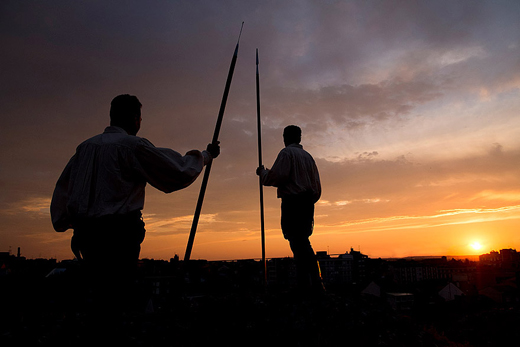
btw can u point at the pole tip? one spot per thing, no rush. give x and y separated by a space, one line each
240 34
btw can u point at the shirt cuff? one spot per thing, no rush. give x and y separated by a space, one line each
207 157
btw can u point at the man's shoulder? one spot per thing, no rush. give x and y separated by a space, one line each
112 136
292 148
90 141
295 149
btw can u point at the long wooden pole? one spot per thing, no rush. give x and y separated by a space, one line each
259 126
205 179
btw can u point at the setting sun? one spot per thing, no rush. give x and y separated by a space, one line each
476 246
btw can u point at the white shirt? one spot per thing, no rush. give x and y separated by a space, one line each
109 172
294 172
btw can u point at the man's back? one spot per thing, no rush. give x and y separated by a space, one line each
105 176
109 172
294 172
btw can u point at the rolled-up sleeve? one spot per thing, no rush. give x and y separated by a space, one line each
166 169
280 172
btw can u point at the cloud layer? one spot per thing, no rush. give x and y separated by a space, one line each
410 110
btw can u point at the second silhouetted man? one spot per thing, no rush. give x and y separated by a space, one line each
296 176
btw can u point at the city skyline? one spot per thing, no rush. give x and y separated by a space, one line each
410 110
319 253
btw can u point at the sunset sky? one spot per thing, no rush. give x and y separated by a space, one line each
410 108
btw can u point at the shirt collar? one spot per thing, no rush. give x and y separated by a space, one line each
297 145
115 129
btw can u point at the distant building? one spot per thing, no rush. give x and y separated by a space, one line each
372 289
400 301
411 271
506 258
281 271
462 274
336 270
505 292
348 268
450 292
496 268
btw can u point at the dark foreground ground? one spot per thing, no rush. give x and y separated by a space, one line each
47 313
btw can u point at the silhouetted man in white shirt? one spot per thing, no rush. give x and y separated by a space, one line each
296 176
100 193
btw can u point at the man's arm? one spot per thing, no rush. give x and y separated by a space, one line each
168 170
278 174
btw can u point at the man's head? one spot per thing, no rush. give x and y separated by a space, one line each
125 112
292 134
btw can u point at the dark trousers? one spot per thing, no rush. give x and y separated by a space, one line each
108 250
297 225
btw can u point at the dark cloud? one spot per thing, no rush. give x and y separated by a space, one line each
353 105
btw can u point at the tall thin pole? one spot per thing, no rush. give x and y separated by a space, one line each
204 184
260 164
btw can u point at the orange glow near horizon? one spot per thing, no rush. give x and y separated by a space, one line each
229 235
